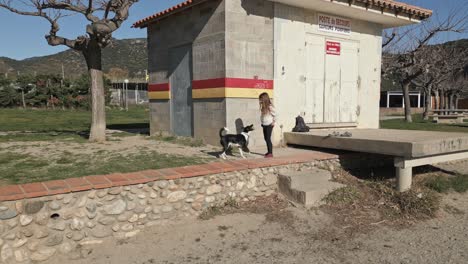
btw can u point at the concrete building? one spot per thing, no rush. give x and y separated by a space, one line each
210 59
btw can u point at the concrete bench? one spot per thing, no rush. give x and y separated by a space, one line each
448 119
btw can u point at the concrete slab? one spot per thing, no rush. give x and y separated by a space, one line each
308 187
399 143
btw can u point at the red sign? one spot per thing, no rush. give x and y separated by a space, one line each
333 48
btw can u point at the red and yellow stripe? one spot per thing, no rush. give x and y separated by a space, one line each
159 91
217 88
231 88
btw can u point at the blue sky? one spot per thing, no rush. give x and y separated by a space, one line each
23 37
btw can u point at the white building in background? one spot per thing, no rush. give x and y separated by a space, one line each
210 59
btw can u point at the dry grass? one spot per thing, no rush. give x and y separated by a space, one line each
365 204
271 206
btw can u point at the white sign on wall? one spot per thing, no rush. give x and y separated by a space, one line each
334 24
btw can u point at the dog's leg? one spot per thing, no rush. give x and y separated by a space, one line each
223 155
242 153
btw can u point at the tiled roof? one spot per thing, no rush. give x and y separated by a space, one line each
145 21
396 6
399 6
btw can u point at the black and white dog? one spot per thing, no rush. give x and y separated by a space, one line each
240 140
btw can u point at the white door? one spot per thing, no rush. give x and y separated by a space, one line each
332 80
349 82
315 73
332 89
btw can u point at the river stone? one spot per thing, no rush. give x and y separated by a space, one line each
240 185
76 224
115 227
3 208
153 195
12 223
20 243
68 199
106 220
127 227
42 218
162 184
54 205
41 233
131 206
124 217
132 233
27 232
101 194
148 209
10 236
8 214
91 215
60 225
164 193
210 199
6 253
270 179
25 220
115 208
77 236
133 219
252 182
166 209
115 191
54 240
21 255
33 207
176 196
65 248
43 254
197 206
213 189
92 194
101 232
91 207
91 242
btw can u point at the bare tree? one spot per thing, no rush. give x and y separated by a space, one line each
98 36
404 52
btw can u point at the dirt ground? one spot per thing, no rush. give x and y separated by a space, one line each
285 234
273 231
122 145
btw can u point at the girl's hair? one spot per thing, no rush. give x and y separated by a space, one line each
265 103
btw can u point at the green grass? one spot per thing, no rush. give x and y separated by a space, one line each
21 168
443 184
44 124
420 124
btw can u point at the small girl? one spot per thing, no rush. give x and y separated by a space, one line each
268 119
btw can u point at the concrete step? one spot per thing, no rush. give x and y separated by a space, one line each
306 187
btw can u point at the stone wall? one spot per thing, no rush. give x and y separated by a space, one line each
37 229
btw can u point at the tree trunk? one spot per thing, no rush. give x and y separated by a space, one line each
22 98
98 108
406 96
452 101
428 104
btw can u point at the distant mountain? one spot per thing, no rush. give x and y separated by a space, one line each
125 58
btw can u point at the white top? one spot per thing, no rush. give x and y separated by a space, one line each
269 118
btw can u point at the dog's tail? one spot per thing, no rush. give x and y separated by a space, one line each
222 130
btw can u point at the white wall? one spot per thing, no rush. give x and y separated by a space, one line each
291 24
